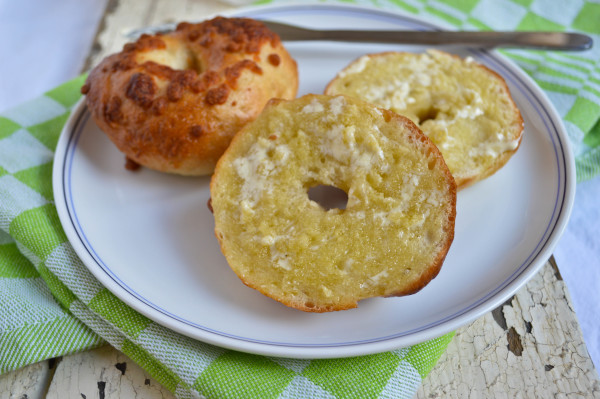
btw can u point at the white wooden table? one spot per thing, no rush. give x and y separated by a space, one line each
531 346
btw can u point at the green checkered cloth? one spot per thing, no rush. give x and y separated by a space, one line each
50 305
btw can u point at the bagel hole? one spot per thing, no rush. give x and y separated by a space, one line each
179 58
427 114
328 197
194 63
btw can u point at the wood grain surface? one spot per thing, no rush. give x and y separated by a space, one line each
530 347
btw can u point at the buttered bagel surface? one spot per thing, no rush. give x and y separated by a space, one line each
390 239
463 107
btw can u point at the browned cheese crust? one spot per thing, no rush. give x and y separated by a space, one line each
172 102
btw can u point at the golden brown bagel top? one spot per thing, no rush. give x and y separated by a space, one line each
172 102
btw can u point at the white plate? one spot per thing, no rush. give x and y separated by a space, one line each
148 237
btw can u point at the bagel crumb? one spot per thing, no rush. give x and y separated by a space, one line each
123 65
159 105
233 47
175 91
196 131
183 25
131 165
217 95
206 41
274 59
141 89
112 110
194 35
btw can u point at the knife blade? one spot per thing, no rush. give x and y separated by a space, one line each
563 41
559 41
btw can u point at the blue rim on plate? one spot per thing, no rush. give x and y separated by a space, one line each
68 145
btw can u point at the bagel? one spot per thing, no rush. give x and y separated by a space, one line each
392 236
172 102
464 107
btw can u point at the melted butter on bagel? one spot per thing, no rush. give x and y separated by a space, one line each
465 108
173 102
389 240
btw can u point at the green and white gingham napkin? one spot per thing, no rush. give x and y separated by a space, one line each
50 305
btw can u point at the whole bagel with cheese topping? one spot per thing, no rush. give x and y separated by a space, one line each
172 102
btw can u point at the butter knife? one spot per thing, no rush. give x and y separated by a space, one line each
562 41
532 40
